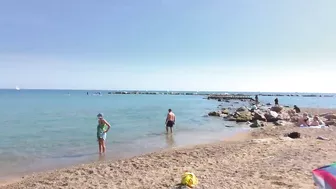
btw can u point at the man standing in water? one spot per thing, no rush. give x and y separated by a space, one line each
170 120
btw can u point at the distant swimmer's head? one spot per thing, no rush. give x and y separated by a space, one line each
100 116
169 110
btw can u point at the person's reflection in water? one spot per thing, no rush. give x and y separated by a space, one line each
101 157
170 140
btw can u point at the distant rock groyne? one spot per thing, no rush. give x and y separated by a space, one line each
155 93
222 97
297 95
216 96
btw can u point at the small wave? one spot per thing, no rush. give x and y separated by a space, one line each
73 156
155 134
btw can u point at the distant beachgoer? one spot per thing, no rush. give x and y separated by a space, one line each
170 120
256 99
297 109
87 93
316 121
253 107
276 101
101 132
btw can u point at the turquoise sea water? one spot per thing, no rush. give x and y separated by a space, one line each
44 129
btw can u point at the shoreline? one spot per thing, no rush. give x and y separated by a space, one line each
229 159
243 155
111 157
15 178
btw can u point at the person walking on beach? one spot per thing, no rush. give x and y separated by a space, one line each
256 99
170 121
101 132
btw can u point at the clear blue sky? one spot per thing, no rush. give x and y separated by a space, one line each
221 45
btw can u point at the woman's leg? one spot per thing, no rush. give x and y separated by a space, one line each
103 145
100 145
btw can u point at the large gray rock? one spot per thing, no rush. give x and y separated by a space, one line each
230 118
243 116
284 116
242 109
272 116
257 124
330 116
225 111
224 115
277 109
214 114
259 115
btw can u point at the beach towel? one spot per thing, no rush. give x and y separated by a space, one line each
316 127
325 177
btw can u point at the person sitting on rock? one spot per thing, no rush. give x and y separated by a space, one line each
297 109
316 121
276 101
304 121
294 111
253 107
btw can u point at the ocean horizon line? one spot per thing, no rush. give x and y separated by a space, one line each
160 90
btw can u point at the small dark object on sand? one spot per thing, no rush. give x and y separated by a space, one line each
322 138
294 135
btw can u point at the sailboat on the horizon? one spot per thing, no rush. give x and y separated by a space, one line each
17 88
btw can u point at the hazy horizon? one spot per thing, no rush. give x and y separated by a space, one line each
190 45
162 90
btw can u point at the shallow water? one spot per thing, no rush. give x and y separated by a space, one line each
47 129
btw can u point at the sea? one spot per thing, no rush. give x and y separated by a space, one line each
48 129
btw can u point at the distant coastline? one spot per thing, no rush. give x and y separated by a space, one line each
202 93
265 93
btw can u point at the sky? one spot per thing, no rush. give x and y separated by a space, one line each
204 45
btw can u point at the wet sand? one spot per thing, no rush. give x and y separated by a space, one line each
262 158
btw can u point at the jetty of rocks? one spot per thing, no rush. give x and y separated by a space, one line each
221 97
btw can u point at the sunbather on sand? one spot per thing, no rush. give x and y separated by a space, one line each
316 121
304 121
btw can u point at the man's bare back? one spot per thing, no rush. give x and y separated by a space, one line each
171 116
170 120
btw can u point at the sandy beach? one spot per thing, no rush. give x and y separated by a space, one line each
262 158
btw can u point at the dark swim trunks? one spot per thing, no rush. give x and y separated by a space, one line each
170 123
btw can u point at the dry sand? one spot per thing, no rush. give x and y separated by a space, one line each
318 111
260 159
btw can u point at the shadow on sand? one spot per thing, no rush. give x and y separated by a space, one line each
180 186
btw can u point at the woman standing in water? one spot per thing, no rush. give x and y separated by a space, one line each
101 132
